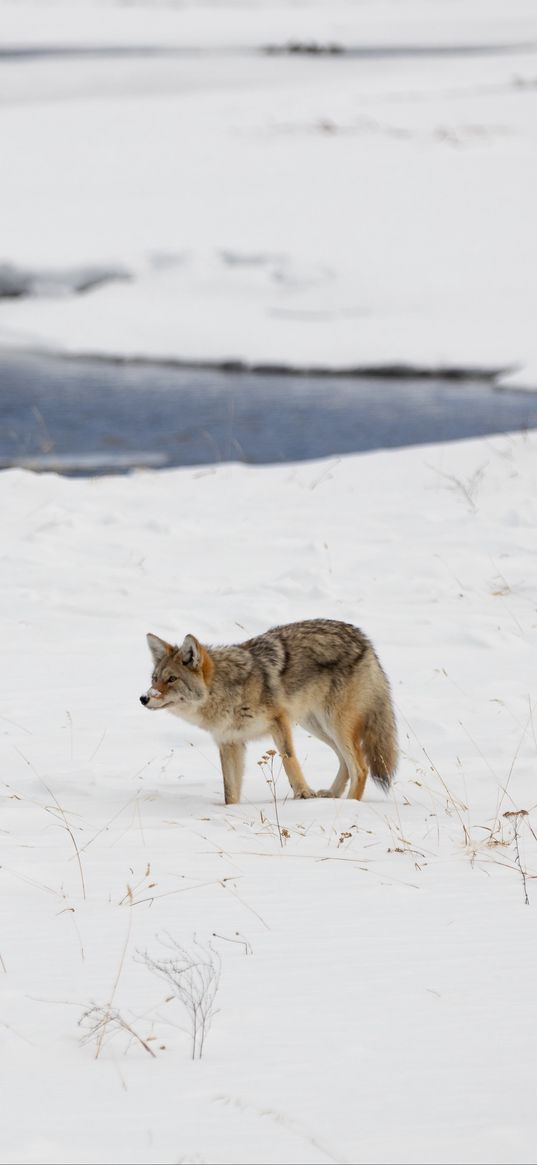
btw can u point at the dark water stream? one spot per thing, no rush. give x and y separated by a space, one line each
83 416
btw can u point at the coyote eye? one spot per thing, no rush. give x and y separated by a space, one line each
171 679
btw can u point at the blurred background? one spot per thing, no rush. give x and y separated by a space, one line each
263 231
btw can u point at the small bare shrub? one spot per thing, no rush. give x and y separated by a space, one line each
193 976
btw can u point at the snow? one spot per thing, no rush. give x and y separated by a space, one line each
170 191
377 997
189 24
15 282
375 209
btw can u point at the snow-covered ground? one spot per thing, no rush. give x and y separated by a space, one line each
334 211
377 997
377 991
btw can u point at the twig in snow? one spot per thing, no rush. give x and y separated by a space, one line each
109 1011
193 977
62 815
103 1023
243 942
266 765
515 816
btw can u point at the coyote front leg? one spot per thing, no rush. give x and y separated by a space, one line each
232 761
283 739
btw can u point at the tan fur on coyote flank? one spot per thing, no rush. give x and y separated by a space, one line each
320 673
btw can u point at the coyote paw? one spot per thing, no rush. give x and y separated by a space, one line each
304 793
324 793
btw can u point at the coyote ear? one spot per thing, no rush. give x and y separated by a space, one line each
158 647
191 651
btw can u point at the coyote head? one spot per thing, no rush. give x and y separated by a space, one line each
180 675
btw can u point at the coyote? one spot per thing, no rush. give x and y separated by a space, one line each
320 673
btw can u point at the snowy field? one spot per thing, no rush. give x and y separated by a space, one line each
170 190
368 209
377 992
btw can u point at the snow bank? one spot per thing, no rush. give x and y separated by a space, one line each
37 24
377 996
375 210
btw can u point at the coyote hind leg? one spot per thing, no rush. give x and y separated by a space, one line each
283 739
359 779
344 736
339 784
337 788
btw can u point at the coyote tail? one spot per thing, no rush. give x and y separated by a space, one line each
379 735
